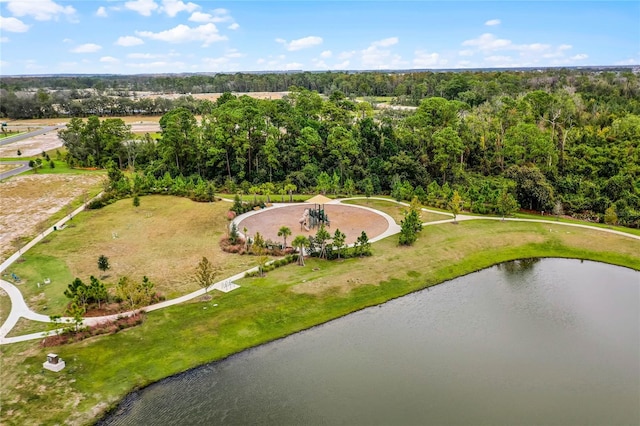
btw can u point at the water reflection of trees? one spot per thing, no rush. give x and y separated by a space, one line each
518 266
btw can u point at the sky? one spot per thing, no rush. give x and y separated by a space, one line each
178 36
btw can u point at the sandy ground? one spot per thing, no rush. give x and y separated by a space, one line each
50 140
350 220
27 200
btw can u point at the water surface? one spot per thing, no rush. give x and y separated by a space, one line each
554 341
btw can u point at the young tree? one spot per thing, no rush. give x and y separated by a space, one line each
129 292
233 235
76 311
284 232
258 244
301 242
349 187
455 205
103 263
339 239
507 203
409 228
363 244
136 201
205 274
321 239
610 216
368 188
97 291
558 210
290 188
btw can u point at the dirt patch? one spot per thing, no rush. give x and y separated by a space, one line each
32 146
28 200
350 220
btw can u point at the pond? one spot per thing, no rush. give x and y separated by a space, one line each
552 341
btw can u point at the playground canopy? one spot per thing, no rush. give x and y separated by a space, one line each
318 199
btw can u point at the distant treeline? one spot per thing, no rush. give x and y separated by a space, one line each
62 96
554 149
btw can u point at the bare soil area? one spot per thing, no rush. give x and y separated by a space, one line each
31 146
350 220
29 200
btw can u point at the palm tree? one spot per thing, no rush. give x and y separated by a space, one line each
284 232
301 242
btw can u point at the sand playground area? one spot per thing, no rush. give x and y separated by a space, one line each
351 220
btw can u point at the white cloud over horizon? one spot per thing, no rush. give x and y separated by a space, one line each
86 48
207 34
128 41
301 43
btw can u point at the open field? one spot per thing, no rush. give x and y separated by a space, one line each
101 370
29 200
31 147
164 239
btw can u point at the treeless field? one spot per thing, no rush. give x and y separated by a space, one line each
29 200
350 220
164 239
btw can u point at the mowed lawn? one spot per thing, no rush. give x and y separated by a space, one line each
397 211
164 238
101 370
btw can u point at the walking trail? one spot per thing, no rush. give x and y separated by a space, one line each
19 308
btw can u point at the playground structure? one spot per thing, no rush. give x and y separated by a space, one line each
313 218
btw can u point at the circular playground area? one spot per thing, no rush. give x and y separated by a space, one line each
350 220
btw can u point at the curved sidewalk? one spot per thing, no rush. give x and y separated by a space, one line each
20 309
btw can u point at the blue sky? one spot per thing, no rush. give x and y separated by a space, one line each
160 36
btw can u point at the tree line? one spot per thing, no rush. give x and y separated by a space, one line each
549 148
82 96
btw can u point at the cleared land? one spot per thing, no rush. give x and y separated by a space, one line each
164 239
101 370
29 200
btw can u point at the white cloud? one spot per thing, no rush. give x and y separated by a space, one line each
424 59
347 54
492 22
67 40
102 12
375 57
41 10
4 39
385 42
579 57
326 54
565 47
153 55
223 63
217 16
630 61
158 66
13 25
293 66
466 52
301 43
260 61
143 7
341 65
234 26
488 42
109 59
207 34
86 48
173 7
128 41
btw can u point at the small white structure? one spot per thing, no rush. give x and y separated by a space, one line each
54 363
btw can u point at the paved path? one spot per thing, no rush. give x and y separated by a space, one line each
23 168
21 136
20 309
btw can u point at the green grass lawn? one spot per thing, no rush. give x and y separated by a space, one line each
5 306
8 135
103 369
395 210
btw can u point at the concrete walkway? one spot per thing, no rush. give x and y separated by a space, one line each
20 309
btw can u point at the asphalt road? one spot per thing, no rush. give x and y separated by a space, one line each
16 138
16 171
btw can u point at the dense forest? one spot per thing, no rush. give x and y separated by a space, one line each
558 141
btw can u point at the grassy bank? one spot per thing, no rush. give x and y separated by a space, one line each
102 370
395 210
